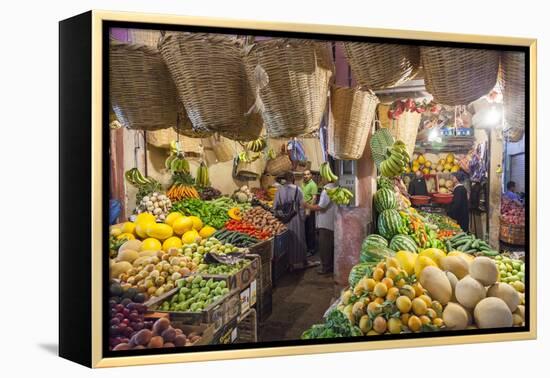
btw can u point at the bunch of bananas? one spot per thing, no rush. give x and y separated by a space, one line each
339 195
271 154
177 163
136 178
326 173
397 161
202 180
248 157
256 145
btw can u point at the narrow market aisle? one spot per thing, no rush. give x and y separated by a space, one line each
299 300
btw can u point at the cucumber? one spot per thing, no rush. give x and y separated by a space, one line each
490 253
475 244
458 236
470 251
449 246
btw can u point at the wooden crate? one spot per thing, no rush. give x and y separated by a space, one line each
247 328
241 279
214 313
264 249
206 331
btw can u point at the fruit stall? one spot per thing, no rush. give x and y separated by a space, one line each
196 251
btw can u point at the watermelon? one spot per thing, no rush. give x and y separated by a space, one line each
389 223
385 199
374 240
374 254
402 242
359 271
384 183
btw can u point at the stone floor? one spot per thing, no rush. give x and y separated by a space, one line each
299 300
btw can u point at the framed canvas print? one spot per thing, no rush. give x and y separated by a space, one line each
234 189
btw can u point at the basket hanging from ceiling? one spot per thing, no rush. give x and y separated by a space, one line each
352 116
513 82
291 80
404 128
457 76
142 93
184 126
209 74
382 65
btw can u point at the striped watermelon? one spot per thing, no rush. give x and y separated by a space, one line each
359 271
389 223
374 240
374 254
385 199
402 242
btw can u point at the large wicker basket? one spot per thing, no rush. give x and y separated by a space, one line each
456 76
223 148
210 77
143 95
512 233
513 80
278 165
184 126
405 128
291 82
250 170
352 114
382 65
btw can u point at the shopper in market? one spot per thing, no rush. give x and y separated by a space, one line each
417 186
309 188
511 193
458 209
326 210
287 208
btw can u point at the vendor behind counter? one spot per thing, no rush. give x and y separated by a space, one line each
417 186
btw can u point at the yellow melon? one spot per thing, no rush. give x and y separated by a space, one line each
151 244
206 232
115 231
433 253
172 217
145 218
421 263
128 227
126 236
159 231
141 229
190 237
172 242
197 223
182 224
406 260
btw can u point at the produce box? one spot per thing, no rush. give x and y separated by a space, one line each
213 314
227 334
264 249
247 328
206 332
242 278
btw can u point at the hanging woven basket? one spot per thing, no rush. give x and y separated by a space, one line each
142 93
352 114
513 82
210 78
381 65
291 80
456 76
404 128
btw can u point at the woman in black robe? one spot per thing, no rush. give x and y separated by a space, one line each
458 210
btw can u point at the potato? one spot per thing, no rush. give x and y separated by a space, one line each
484 270
130 244
469 292
148 253
437 284
127 255
120 267
455 316
505 292
493 312
456 265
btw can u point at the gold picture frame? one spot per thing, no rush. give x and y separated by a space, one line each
97 19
